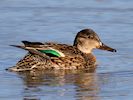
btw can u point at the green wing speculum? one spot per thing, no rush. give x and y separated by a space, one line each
51 53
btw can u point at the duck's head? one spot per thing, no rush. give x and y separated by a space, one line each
86 40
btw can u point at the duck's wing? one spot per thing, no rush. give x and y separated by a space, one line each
41 49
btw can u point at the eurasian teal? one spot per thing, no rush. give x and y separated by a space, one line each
61 56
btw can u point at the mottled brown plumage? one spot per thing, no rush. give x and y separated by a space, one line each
76 56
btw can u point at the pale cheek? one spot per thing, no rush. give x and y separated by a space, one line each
92 44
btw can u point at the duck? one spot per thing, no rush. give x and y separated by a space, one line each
50 55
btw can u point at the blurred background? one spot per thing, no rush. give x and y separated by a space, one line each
60 20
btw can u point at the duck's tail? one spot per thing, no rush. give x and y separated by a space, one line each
31 50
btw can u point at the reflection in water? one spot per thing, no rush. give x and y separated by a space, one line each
84 82
87 86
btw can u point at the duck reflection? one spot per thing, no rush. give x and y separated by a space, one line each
83 83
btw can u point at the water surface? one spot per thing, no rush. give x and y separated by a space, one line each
41 20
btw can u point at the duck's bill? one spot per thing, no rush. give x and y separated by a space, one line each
107 48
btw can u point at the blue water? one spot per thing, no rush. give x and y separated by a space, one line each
41 20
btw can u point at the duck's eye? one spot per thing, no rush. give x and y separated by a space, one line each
90 37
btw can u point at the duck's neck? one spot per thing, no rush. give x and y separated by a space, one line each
89 58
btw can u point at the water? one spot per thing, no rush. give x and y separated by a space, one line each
41 20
